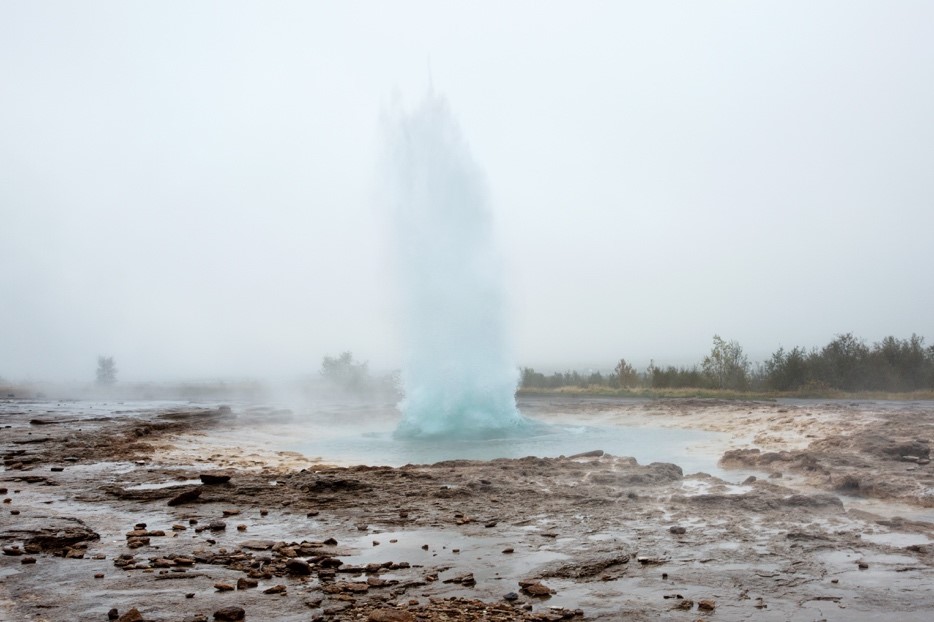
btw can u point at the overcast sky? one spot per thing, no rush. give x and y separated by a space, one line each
189 186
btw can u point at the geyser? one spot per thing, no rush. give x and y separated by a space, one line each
458 377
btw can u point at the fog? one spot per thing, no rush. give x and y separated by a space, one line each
189 188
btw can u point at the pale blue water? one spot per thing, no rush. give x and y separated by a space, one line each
682 447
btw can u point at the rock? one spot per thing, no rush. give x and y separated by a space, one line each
28 560
257 545
511 596
230 614
677 530
276 589
684 605
706 605
113 614
353 587
390 615
133 615
135 543
12 550
58 540
330 542
749 480
465 579
376 582
535 588
214 479
217 525
223 587
596 453
245 584
590 566
508 550
298 566
185 497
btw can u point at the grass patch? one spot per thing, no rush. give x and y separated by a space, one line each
725 394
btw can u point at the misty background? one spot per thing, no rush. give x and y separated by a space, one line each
189 187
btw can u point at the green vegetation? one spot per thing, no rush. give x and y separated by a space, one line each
106 370
890 369
344 375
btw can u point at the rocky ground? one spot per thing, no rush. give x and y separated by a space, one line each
119 516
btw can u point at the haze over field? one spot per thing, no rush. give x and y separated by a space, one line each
189 188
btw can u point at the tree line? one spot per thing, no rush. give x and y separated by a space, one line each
847 363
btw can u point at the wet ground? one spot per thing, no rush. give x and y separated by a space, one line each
109 510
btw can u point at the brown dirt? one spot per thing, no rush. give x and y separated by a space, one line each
596 538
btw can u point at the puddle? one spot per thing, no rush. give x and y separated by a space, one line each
695 487
482 555
900 540
169 484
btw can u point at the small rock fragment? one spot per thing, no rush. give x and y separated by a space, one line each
535 588
245 584
185 497
230 614
298 566
133 615
214 479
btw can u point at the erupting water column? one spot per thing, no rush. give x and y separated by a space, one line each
458 376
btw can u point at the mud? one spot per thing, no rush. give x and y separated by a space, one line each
132 511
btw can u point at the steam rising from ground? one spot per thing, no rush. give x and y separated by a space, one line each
458 376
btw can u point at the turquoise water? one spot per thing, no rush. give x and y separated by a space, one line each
682 447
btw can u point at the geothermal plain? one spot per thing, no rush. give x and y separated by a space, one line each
182 512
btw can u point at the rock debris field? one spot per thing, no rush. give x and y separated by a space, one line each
138 516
